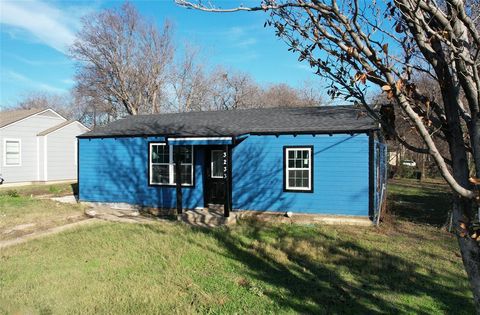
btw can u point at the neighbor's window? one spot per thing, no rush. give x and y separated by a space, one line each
298 168
12 152
162 164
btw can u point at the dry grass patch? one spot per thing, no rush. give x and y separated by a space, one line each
22 215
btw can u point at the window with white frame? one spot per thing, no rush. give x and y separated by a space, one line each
12 149
162 164
298 168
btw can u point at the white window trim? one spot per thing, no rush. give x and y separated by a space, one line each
287 169
5 152
171 166
211 163
200 138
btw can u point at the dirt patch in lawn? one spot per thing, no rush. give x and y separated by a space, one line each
20 215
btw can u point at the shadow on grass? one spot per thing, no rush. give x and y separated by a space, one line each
418 202
314 272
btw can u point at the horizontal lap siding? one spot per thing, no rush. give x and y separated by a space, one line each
116 170
26 131
340 176
61 151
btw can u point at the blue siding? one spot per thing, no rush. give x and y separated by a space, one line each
340 175
116 170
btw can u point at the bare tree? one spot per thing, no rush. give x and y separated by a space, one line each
234 90
357 44
91 109
189 81
41 100
122 60
310 94
195 88
281 95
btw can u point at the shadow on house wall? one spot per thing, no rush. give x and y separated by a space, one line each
116 170
340 175
257 184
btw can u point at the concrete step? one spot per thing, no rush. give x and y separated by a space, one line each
205 218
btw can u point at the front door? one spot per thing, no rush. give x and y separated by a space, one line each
215 183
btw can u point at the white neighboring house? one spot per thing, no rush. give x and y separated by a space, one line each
38 146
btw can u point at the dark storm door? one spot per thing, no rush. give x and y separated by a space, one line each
215 181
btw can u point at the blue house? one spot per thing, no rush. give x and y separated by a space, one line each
317 160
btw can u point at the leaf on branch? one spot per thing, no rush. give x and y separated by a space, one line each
445 34
428 122
463 226
350 51
315 34
385 48
474 180
399 85
399 28
386 88
362 77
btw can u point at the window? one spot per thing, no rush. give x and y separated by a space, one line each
216 165
162 164
298 169
12 149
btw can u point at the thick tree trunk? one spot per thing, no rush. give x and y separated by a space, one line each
462 212
469 249
462 207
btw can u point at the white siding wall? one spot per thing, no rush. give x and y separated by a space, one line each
41 159
26 131
62 153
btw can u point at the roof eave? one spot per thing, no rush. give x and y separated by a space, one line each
289 132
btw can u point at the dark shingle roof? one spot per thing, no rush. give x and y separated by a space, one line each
324 119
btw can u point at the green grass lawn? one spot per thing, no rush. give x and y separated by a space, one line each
422 202
21 213
35 190
168 267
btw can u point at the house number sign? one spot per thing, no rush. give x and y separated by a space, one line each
225 164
